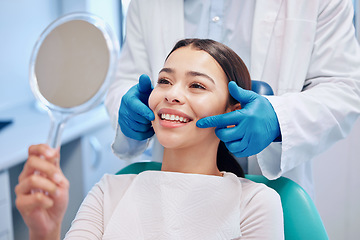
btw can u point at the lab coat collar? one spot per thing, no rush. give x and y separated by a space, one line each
265 15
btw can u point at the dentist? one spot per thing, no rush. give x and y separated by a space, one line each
305 50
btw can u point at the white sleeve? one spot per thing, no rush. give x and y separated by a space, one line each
325 111
262 216
97 208
132 63
127 148
89 220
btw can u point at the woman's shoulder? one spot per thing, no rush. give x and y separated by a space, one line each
258 195
260 203
251 188
254 193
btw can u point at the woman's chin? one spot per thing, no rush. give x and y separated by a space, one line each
181 138
170 143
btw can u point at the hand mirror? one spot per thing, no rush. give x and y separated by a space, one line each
71 67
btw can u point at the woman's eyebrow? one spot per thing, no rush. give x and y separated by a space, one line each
189 73
196 74
167 70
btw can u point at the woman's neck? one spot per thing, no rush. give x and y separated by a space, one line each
199 159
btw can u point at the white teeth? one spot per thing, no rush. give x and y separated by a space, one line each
173 118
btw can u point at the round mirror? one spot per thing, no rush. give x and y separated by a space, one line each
72 65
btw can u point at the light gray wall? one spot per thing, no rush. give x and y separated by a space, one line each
337 181
21 22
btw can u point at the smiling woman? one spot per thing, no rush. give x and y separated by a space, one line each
193 196
193 84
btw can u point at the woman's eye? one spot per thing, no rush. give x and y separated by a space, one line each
163 81
197 85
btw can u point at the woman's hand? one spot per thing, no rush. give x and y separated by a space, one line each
42 193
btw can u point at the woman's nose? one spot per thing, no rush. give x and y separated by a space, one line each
174 100
174 96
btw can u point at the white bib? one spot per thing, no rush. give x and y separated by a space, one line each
167 205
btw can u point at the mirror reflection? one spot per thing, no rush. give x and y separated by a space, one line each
72 63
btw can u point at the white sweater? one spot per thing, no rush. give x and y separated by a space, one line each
168 205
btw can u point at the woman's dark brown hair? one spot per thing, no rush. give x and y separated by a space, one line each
235 70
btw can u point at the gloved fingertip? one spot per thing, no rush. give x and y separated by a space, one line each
201 123
208 122
240 94
232 84
145 83
144 77
150 116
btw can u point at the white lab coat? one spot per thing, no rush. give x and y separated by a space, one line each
307 52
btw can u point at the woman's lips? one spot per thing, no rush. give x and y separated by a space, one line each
173 118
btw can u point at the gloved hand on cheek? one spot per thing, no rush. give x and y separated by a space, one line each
254 126
134 114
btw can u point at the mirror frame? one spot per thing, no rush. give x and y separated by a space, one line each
113 47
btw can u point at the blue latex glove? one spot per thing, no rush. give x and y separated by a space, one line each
256 124
135 116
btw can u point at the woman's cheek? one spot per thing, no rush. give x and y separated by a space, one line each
208 107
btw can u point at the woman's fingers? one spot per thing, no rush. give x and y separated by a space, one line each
41 149
36 182
41 165
44 151
27 203
50 154
41 159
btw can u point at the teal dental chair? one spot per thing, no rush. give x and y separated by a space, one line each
301 218
261 87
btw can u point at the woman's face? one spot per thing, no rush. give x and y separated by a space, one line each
191 86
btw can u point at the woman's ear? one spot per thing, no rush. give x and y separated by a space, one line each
237 106
234 107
